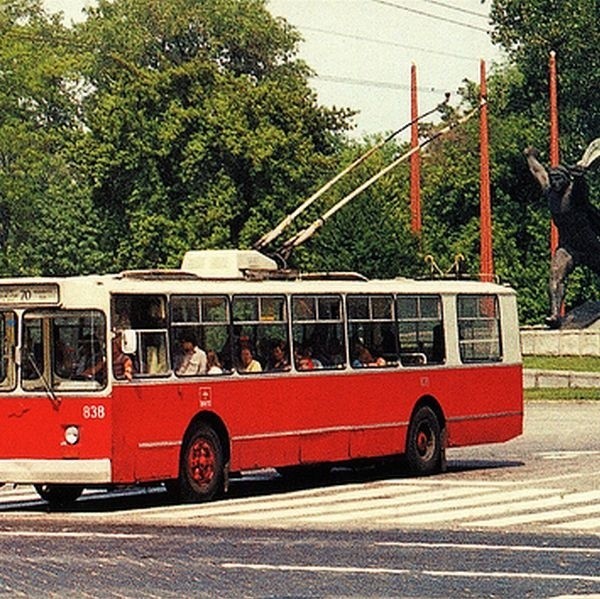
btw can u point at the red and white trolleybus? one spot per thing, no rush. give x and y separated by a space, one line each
236 365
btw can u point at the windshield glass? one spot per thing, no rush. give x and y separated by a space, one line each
63 351
8 331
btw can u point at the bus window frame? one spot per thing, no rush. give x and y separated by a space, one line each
160 326
50 377
8 352
497 320
372 319
420 359
177 328
341 322
260 321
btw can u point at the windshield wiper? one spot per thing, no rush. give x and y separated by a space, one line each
53 397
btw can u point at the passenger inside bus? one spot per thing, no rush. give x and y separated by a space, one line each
122 363
247 361
364 358
193 360
279 360
213 364
232 346
64 356
89 363
305 360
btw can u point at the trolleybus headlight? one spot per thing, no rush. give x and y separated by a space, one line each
72 435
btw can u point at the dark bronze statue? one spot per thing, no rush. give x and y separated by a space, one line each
576 219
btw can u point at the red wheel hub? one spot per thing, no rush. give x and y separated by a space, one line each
201 462
423 441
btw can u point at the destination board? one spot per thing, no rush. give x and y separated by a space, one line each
29 294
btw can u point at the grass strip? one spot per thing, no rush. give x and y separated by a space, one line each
576 363
562 394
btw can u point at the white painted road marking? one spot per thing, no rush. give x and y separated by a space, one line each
405 571
549 503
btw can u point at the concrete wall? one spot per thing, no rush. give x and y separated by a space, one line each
543 342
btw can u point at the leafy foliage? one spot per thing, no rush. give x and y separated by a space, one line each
156 126
47 223
530 30
370 235
211 131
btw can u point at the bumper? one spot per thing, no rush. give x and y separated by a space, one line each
56 471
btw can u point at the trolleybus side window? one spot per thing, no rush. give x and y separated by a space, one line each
146 315
205 321
372 330
479 328
8 332
318 332
420 330
260 325
65 350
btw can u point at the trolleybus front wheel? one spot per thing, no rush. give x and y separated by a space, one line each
424 443
59 495
201 474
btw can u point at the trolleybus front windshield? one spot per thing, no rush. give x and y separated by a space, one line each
63 350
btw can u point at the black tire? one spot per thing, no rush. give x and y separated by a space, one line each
59 495
424 443
202 466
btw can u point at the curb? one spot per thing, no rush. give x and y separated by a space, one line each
559 379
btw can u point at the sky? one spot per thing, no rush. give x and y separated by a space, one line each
362 51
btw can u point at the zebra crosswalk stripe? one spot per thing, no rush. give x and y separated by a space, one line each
565 512
384 504
502 503
425 512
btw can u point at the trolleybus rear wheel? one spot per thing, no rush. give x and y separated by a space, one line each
201 476
424 443
59 495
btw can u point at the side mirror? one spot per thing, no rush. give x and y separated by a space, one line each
128 341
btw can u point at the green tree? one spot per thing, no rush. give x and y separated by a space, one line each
370 235
529 30
520 218
202 129
46 224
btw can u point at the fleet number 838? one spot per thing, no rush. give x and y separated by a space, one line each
94 412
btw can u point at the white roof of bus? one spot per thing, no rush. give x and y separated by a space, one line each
222 272
120 284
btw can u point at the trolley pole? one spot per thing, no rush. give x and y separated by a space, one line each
415 159
486 269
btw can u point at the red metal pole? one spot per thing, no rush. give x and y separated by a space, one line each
554 146
415 159
486 269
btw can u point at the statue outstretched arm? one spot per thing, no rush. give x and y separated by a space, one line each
591 156
537 168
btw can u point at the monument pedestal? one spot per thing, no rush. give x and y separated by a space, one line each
579 335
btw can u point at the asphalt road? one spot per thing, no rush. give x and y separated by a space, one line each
520 519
